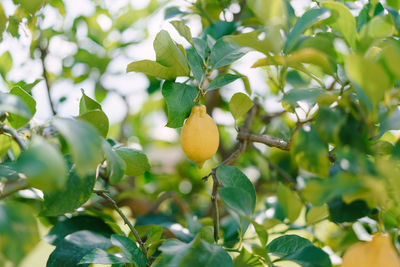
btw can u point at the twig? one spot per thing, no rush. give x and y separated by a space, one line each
214 201
43 54
3 116
102 194
14 134
10 188
266 140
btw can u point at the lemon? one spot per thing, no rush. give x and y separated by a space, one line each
379 252
199 136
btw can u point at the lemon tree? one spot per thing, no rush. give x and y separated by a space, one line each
251 133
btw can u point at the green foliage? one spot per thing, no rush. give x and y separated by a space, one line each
310 161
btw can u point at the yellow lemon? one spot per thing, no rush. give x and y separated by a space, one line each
379 252
199 136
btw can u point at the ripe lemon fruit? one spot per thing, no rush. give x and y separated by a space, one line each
379 252
199 136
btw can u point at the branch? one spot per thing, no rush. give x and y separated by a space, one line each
265 139
10 188
214 201
102 194
181 204
14 134
43 54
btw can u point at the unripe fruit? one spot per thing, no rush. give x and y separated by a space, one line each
379 252
199 136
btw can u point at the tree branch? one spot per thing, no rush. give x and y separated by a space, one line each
265 139
102 194
171 195
10 188
43 54
14 134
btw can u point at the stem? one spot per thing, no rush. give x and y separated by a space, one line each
43 54
214 201
127 222
14 134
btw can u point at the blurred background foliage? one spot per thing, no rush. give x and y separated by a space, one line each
321 76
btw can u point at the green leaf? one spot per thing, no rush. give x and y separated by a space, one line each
76 192
310 151
87 104
14 104
195 64
84 143
224 53
130 250
378 27
170 61
179 98
246 259
290 99
329 122
391 54
5 144
201 47
67 226
196 253
369 76
310 256
264 42
6 63
136 161
317 214
341 212
43 165
183 30
311 56
290 201
287 244
239 105
98 119
222 80
269 13
3 22
116 166
238 192
342 20
75 246
18 231
308 19
100 256
30 6
19 121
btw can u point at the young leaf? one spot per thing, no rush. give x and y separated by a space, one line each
308 19
170 61
43 166
290 201
84 143
222 80
179 98
97 119
342 20
370 76
316 214
224 53
183 30
136 161
87 104
6 63
15 105
239 105
238 192
17 121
